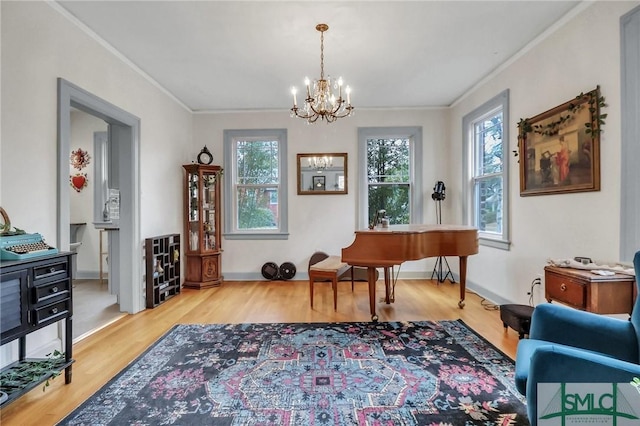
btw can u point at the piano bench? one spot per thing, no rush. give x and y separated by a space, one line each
329 269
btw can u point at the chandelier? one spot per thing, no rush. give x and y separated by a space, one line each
321 102
320 163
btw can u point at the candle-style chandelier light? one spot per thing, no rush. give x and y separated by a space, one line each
321 102
320 163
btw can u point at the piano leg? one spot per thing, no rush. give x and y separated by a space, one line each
387 286
371 276
463 280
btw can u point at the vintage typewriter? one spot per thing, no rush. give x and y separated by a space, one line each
24 246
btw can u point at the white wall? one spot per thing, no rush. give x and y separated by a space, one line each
582 54
322 222
38 46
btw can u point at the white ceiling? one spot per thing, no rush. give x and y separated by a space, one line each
246 55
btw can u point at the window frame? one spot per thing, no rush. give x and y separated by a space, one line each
470 164
630 149
230 206
414 134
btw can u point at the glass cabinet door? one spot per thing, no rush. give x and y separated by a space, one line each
193 224
209 197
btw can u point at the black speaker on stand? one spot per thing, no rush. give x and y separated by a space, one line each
439 268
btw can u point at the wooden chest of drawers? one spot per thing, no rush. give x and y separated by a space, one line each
587 291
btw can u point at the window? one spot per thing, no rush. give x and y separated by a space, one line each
390 179
486 172
255 184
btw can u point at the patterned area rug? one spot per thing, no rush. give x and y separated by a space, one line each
396 373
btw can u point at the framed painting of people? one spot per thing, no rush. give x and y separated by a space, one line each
559 149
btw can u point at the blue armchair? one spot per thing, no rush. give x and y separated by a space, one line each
571 346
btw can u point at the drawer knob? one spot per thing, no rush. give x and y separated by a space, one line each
54 310
563 287
52 270
54 290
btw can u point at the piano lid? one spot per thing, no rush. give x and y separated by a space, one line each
399 243
418 228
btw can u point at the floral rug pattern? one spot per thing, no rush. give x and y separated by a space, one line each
394 373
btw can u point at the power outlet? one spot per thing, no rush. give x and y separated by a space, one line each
537 281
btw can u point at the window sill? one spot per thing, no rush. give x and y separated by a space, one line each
257 236
492 242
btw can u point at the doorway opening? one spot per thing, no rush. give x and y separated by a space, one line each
125 257
95 303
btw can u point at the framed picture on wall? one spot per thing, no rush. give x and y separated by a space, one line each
319 183
560 149
331 167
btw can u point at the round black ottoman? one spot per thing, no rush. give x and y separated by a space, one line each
517 317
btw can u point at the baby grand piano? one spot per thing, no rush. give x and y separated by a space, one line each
387 247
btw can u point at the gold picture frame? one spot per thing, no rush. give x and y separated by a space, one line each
322 173
559 149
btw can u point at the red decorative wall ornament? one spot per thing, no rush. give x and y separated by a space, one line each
78 181
79 159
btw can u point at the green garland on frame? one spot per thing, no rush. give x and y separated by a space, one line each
595 101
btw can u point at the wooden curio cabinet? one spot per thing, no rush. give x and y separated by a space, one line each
202 248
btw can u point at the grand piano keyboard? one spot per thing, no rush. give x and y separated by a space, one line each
24 246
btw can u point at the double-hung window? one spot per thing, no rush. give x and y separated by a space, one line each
486 170
389 174
255 184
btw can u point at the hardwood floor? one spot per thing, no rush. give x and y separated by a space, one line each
102 355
